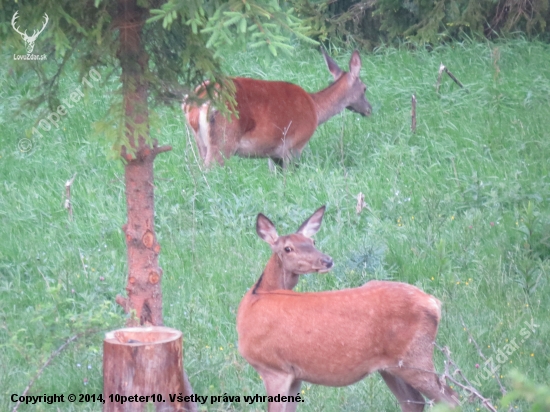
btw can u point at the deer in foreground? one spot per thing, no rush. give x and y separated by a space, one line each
336 338
275 119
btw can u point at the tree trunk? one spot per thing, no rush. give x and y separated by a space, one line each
144 301
143 365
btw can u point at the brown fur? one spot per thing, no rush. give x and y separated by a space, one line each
336 338
275 119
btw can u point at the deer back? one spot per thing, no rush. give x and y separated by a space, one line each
274 119
335 338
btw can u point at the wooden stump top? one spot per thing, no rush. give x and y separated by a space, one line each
142 335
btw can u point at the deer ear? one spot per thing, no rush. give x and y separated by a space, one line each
331 64
266 229
355 64
313 223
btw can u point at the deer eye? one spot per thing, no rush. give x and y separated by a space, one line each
288 249
313 242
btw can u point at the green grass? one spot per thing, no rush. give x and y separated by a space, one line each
460 209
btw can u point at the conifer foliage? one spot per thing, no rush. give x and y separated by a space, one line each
370 22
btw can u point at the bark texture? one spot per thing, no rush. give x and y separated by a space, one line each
144 300
146 362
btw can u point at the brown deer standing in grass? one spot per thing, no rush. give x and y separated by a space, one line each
275 119
336 338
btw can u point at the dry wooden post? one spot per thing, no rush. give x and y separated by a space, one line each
67 204
413 114
496 58
145 361
441 69
360 203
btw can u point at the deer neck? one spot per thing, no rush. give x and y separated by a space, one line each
332 100
274 277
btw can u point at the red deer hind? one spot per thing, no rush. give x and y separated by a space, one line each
336 338
275 119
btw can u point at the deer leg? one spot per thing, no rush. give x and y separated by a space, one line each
277 383
410 400
294 390
272 163
286 162
425 380
292 157
439 393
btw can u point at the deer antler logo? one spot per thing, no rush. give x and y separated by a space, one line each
29 39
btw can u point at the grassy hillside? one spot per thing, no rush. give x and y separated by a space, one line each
460 209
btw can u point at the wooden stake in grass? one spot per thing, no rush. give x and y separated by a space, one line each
413 114
360 203
496 59
442 69
67 203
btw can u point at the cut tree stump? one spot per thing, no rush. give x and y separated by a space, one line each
143 365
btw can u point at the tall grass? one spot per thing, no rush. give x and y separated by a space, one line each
460 208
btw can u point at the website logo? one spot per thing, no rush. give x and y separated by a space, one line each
29 40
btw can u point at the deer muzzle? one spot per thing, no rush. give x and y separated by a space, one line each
325 264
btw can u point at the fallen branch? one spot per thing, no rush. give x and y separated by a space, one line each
502 388
467 386
52 356
443 68
452 76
